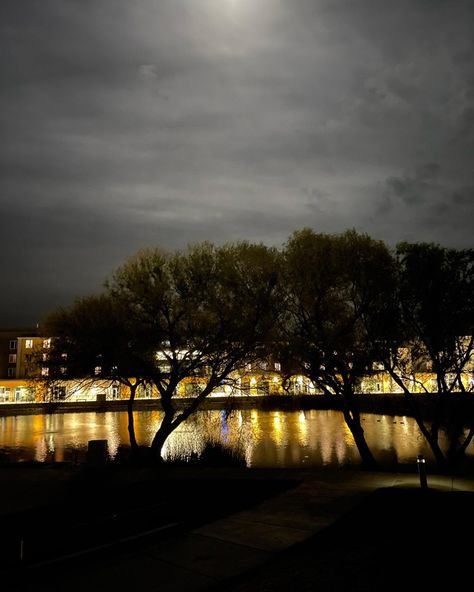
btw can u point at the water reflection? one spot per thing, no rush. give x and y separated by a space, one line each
266 438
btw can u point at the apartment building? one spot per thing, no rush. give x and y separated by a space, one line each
16 363
23 352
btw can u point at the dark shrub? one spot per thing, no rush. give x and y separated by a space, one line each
216 454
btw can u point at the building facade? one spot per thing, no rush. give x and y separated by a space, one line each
17 346
23 368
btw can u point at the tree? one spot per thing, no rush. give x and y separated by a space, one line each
433 306
203 311
333 284
94 340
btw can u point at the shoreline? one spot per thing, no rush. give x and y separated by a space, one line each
386 404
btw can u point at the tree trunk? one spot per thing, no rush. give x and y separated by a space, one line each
172 420
131 422
353 423
431 437
165 429
350 409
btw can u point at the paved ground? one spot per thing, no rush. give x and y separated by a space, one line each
335 530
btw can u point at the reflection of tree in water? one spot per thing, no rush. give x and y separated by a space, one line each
243 433
41 450
295 438
307 438
233 428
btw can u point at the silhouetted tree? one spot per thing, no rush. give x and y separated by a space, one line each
333 283
204 311
95 340
433 313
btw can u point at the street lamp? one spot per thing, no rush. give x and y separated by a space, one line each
421 464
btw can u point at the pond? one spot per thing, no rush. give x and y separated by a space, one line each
278 439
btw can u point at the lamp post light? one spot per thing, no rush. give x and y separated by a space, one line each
421 464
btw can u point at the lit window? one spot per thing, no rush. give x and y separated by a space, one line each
45 371
277 366
13 344
46 343
12 359
28 343
45 357
98 370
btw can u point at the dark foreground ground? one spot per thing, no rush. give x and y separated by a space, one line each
392 538
396 539
58 513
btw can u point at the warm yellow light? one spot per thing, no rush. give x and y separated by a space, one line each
277 429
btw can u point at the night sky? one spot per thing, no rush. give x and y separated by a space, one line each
131 123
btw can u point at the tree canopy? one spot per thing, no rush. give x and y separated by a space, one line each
167 317
333 306
335 284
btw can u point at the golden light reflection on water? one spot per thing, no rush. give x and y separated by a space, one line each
266 438
302 429
277 431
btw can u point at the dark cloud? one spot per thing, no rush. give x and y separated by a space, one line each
443 211
464 196
419 188
126 124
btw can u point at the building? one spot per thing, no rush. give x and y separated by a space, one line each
16 363
24 356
